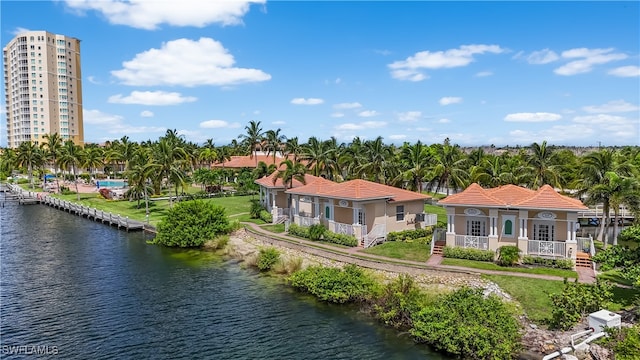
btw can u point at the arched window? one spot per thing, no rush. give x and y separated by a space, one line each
327 212
508 227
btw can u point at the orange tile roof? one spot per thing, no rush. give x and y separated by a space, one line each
515 197
357 190
267 181
238 162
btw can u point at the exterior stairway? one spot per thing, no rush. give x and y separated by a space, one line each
583 260
438 247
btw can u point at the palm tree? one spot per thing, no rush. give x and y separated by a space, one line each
448 168
53 147
540 162
273 141
253 137
377 157
71 156
415 164
264 170
171 160
315 155
94 158
623 191
138 176
291 147
291 171
29 155
7 161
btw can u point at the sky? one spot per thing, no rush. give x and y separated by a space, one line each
478 73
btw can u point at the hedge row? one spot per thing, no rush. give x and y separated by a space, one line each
566 264
409 234
468 254
303 231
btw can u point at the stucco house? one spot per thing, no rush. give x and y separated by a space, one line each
539 222
364 209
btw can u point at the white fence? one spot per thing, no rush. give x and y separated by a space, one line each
547 248
474 242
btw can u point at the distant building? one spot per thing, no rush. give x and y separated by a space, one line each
43 88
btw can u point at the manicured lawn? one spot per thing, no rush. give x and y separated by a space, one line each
492 266
438 210
533 294
401 250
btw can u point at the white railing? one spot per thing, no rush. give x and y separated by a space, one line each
598 211
377 234
584 244
430 219
283 212
306 220
547 248
340 228
474 242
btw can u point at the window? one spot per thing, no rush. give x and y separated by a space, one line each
327 212
508 227
361 217
543 232
400 213
476 227
508 222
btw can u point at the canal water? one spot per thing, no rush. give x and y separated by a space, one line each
83 290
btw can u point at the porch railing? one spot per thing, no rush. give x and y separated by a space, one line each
307 220
547 248
340 228
377 234
584 244
474 242
430 219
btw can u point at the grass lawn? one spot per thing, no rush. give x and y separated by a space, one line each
615 277
438 210
277 228
235 205
533 295
492 266
401 250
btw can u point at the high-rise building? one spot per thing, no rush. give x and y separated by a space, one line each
43 88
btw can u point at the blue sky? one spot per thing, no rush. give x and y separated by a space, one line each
480 73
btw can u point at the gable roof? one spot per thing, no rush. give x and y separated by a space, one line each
238 162
358 190
515 197
268 181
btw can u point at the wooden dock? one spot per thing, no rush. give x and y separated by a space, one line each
16 193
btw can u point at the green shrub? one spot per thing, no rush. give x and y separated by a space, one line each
576 301
300 231
267 258
305 232
341 239
467 325
400 299
566 264
316 231
287 266
468 254
405 235
624 342
333 284
191 224
508 255
266 216
256 209
22 181
631 233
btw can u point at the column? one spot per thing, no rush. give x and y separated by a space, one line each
493 229
451 220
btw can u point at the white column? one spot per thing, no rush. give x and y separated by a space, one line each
451 220
316 202
522 223
355 215
493 222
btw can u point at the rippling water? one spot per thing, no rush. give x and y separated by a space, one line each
94 292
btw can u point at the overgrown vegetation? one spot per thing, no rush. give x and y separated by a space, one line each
624 342
288 266
576 301
191 224
267 258
336 285
623 258
468 325
400 300
468 253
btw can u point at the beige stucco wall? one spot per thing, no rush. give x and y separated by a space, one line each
411 208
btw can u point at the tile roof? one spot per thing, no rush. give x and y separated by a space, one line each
267 181
357 190
238 162
514 196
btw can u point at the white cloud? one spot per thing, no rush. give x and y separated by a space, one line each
278 122
544 56
218 124
146 113
613 106
353 105
423 129
625 71
196 136
152 98
149 15
337 115
256 112
93 80
186 62
19 30
615 127
362 125
409 116
444 121
338 81
532 117
115 124
450 100
397 137
554 134
382 52
410 68
309 101
368 113
588 58
484 74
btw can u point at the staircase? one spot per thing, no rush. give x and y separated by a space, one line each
438 247
583 260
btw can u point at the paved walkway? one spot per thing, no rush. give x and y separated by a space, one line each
586 275
356 256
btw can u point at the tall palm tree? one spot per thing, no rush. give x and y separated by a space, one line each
7 161
377 157
274 141
138 176
252 137
93 159
415 164
71 156
30 156
540 161
291 171
623 191
292 147
448 168
315 155
53 146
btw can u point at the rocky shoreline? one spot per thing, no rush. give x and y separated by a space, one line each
536 341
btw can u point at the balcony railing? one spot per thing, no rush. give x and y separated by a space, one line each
340 228
474 242
547 248
584 244
307 220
